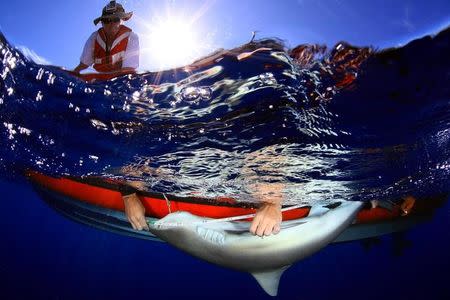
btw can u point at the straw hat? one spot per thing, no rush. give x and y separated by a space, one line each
113 10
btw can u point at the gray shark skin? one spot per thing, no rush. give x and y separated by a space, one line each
231 245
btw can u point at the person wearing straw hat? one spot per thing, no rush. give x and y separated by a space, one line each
114 47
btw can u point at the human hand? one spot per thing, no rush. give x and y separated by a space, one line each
267 220
407 205
135 211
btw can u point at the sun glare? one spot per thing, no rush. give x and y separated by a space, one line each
172 43
173 36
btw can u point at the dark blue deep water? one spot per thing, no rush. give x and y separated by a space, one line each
341 123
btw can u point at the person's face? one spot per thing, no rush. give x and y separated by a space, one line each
111 25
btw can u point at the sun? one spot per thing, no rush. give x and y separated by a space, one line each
174 36
172 43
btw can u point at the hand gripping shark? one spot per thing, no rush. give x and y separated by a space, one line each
231 245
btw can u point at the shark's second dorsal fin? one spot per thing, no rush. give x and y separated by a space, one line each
269 280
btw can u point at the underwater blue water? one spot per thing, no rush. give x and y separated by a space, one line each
216 131
46 256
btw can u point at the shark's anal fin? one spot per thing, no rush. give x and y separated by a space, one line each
269 280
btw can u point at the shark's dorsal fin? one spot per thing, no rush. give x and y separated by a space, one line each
269 280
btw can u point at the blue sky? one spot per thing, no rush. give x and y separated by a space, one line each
57 30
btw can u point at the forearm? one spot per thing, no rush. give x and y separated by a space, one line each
127 70
269 193
80 67
268 216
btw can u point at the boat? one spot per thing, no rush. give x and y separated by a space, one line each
98 202
99 77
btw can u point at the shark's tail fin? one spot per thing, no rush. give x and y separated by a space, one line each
337 220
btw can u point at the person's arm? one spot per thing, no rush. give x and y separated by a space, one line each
131 59
87 57
268 216
135 211
80 68
407 205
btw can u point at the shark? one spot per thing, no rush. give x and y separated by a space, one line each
231 245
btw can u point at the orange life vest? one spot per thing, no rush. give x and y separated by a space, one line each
110 59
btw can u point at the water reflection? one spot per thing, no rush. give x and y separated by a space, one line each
248 122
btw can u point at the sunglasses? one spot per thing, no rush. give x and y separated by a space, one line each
111 20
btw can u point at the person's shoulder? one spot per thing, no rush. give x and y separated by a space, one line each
134 36
92 38
93 35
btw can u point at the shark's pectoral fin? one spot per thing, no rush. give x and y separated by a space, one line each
269 280
317 210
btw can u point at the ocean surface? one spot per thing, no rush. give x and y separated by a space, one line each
325 124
